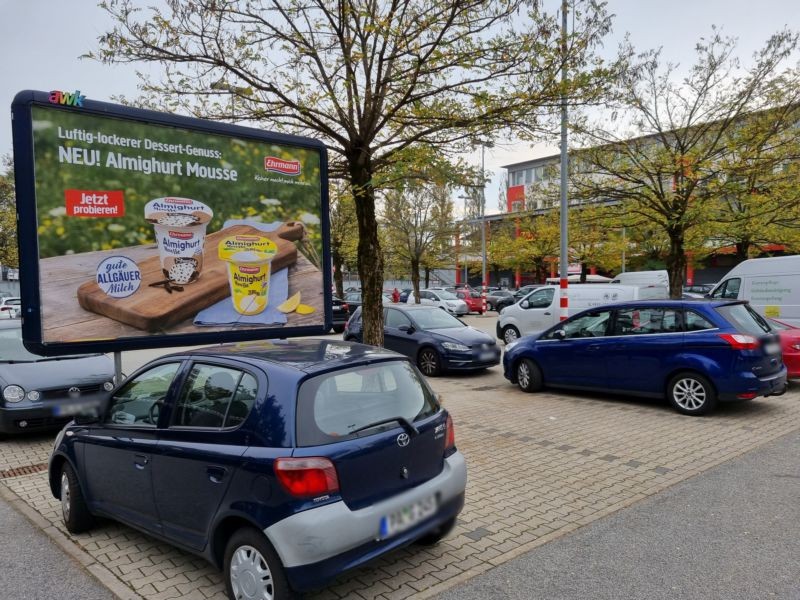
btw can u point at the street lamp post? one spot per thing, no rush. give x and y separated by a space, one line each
483 232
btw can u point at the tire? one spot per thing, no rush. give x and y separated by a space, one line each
429 363
74 511
691 394
489 306
529 376
510 334
253 569
438 534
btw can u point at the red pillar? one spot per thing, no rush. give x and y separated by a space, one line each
592 270
458 248
689 269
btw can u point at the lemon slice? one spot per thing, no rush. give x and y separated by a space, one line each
291 304
304 309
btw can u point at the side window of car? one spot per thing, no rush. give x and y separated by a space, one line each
138 403
396 318
243 401
207 397
644 320
540 298
592 324
695 322
732 288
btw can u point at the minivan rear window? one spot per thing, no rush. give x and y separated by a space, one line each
343 404
745 319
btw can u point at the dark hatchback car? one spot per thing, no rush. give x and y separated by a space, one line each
45 392
695 353
432 337
341 312
285 463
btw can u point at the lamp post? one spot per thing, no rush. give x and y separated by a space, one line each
484 282
564 279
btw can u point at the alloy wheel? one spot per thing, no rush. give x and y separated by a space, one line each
65 499
689 393
251 578
523 375
428 362
510 335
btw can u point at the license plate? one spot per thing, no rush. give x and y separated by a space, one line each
772 348
337 309
73 408
407 517
488 355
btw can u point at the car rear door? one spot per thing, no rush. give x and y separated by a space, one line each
380 460
201 449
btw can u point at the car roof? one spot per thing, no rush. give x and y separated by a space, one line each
669 303
306 355
414 307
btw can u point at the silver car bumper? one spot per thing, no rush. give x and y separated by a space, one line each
320 533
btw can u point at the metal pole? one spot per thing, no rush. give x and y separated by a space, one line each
483 232
623 248
117 368
564 206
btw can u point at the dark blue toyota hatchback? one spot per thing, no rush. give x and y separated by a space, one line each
285 463
695 353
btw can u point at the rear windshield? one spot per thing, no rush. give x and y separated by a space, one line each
745 319
343 404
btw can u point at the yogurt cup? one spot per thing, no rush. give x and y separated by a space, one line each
180 227
249 259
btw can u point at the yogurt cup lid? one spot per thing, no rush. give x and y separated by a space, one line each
247 249
177 212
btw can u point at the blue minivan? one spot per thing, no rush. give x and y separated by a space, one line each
285 463
696 353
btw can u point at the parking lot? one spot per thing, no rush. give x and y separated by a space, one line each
540 466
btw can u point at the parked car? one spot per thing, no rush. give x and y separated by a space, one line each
473 300
540 309
44 392
499 299
790 346
10 307
771 285
695 352
283 462
443 299
404 294
436 340
353 300
340 312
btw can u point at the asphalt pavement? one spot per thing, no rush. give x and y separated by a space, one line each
731 532
32 567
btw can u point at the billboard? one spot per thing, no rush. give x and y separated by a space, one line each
141 229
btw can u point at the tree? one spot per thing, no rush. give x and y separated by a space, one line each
528 243
671 172
371 77
593 240
8 217
418 221
344 233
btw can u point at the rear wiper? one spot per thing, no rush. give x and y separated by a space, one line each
405 423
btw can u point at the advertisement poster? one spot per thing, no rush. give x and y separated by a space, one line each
149 230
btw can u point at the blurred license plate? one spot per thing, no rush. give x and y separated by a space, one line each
73 408
772 348
487 355
337 309
407 517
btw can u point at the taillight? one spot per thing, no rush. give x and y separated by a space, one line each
345 307
307 477
450 440
740 341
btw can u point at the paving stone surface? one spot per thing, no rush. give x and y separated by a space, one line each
540 465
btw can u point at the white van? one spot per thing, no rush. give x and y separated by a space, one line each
643 278
772 285
541 308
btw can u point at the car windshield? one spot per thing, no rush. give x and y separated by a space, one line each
352 402
745 319
435 318
445 295
12 350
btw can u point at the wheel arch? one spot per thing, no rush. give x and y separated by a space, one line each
518 359
684 369
223 531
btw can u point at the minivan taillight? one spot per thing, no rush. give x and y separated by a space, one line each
740 341
450 440
307 477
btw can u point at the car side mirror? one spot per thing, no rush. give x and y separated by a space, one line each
86 419
525 304
407 328
559 334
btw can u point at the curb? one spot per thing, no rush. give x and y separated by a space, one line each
69 547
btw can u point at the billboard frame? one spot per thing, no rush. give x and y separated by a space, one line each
28 238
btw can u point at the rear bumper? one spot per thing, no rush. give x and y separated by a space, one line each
771 385
792 362
318 544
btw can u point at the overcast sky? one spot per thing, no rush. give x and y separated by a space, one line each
41 40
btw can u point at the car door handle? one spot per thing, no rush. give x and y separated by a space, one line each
216 474
547 313
140 461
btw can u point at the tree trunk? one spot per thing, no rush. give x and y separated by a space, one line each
370 256
584 269
338 280
742 250
415 279
676 263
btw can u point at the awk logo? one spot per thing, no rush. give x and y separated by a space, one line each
74 99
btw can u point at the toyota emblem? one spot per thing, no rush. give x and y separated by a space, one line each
403 439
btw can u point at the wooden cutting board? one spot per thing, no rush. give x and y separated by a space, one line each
154 309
